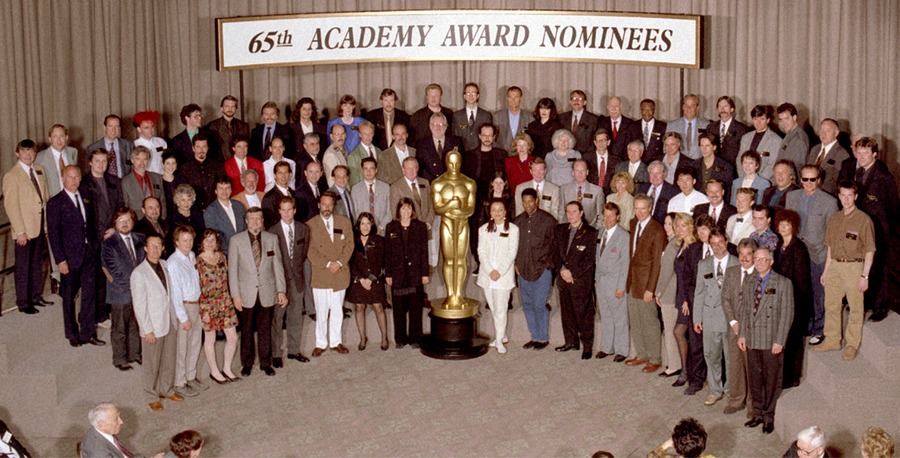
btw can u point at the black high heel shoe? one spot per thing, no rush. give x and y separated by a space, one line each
220 382
362 345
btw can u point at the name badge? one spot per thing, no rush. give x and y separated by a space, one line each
421 186
708 276
571 159
39 172
546 198
338 231
270 253
370 245
580 247
160 149
830 161
770 290
588 196
504 234
851 235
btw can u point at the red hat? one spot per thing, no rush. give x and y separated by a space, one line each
148 115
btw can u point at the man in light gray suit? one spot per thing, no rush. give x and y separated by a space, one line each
511 121
689 126
142 183
119 149
548 193
256 281
795 144
293 240
815 207
55 154
762 140
100 439
633 166
766 316
612 255
709 316
828 156
343 205
390 162
224 214
581 190
372 195
156 323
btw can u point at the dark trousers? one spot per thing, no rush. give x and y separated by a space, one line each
696 362
81 279
124 335
577 313
103 311
413 304
765 373
794 351
258 317
29 273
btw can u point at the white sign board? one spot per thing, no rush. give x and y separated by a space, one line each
470 35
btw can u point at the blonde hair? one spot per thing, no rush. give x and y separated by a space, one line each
686 219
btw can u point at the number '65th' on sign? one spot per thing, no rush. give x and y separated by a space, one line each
264 41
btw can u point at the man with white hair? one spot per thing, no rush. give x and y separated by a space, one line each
810 443
100 439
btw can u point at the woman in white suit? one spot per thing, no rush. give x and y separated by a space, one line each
498 243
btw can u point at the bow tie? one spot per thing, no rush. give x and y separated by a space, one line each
740 220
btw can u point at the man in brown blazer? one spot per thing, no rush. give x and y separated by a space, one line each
330 248
390 161
24 198
648 239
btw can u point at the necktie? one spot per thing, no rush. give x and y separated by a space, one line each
646 134
290 241
243 166
315 190
821 156
653 196
62 166
388 128
579 195
371 152
328 229
574 123
615 130
707 253
860 175
130 248
36 186
689 136
122 448
372 198
268 139
471 119
721 131
79 207
713 214
602 244
113 162
719 273
601 177
349 202
257 250
440 148
538 188
416 197
636 238
758 295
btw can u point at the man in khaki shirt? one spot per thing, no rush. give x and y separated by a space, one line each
850 238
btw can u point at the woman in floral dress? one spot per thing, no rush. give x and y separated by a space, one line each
216 310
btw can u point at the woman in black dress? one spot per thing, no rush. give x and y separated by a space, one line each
690 344
541 129
171 180
792 261
366 268
184 197
406 270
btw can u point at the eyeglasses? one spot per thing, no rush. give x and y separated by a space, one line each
577 99
807 179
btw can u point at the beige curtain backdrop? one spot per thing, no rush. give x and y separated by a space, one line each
74 61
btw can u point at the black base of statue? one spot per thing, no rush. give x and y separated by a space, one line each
454 338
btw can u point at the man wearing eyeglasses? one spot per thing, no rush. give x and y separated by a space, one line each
581 122
810 443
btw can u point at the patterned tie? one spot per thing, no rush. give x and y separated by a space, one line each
290 241
719 273
371 152
257 250
579 195
574 123
471 119
372 198
646 134
689 136
714 216
601 178
113 163
653 197
415 192
243 166
636 238
758 295
722 131
37 187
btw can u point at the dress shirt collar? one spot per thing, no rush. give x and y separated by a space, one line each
180 257
27 168
827 148
108 437
286 226
602 156
369 183
610 231
727 124
284 191
409 183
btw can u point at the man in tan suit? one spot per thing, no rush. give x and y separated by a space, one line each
330 248
25 196
390 161
256 281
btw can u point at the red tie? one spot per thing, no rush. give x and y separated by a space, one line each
601 180
615 129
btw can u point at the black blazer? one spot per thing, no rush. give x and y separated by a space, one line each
184 149
282 131
103 213
584 135
578 256
367 262
721 170
541 134
406 263
303 159
594 169
70 241
117 261
144 227
618 146
662 201
686 274
377 117
481 166
270 206
770 192
729 147
307 206
293 266
722 217
431 161
297 136
877 196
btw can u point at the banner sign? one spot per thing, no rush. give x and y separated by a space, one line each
448 35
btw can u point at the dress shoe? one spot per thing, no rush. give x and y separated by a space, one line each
54 286
197 385
529 344
830 345
156 406
41 302
230 379
692 390
186 391
540 345
754 422
650 368
137 361
730 409
246 370
94 341
277 362
878 315
670 374
768 427
341 349
635 362
318 352
566 347
618 359
30 310
602 354
711 399
123 367
850 353
224 380
680 381
362 345
385 345
399 345
816 340
586 355
175 397
75 342
269 371
299 357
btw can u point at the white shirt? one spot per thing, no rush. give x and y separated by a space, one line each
825 149
269 172
76 199
610 231
742 229
283 191
686 203
717 209
230 212
184 281
401 154
252 200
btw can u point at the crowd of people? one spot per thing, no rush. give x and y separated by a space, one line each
740 241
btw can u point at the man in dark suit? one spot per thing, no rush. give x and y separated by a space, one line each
202 172
385 118
512 120
106 423
618 127
581 122
727 131
575 243
270 200
152 222
120 254
765 318
602 161
647 241
634 166
224 214
717 208
775 196
293 240
118 148
650 131
658 190
309 188
73 240
467 121
227 127
183 143
711 166
311 152
262 134
420 121
431 148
